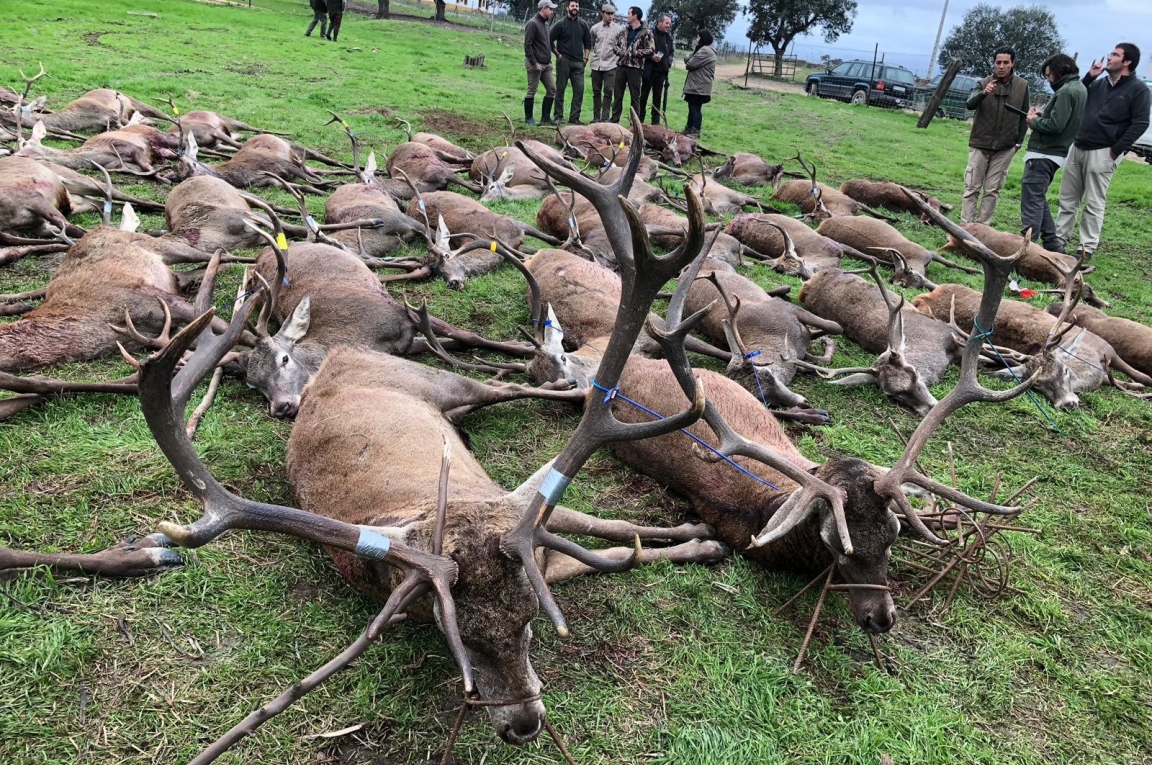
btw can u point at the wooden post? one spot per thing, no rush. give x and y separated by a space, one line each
748 65
868 90
929 112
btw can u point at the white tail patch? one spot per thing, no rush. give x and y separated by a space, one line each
130 220
369 172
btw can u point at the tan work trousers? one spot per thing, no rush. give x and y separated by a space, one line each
1087 175
986 172
540 73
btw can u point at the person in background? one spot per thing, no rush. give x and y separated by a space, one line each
1115 115
319 16
997 135
633 50
701 66
538 61
606 38
656 70
1052 134
571 41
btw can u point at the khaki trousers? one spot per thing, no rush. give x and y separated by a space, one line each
540 73
1087 175
986 171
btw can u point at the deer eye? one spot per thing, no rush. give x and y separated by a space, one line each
284 360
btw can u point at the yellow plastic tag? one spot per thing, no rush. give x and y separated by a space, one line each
344 125
492 247
176 110
282 241
621 144
505 154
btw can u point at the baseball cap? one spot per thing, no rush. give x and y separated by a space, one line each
545 4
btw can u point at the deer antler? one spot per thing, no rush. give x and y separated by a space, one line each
642 276
997 270
352 137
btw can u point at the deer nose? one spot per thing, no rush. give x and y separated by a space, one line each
524 730
284 410
880 621
455 284
1065 404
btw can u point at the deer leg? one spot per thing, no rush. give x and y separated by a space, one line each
559 567
131 558
12 254
12 406
804 414
567 521
471 339
537 234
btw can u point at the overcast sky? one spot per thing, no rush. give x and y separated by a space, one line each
907 30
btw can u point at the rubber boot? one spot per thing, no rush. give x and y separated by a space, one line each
529 105
547 118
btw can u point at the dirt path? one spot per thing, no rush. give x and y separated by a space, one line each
734 73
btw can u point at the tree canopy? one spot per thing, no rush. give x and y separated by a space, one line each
1030 30
778 22
690 16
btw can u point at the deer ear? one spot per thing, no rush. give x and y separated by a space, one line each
553 334
38 133
506 176
443 236
860 378
297 325
193 149
130 220
369 168
522 494
1076 341
136 119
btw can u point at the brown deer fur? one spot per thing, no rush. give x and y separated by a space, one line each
816 250
886 194
800 193
425 168
748 170
1131 340
1037 263
33 199
359 201
98 110
863 234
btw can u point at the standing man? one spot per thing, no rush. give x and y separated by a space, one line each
1115 115
996 136
319 16
1052 134
656 70
606 39
572 41
336 10
538 61
633 50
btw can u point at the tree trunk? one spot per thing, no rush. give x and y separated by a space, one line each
440 10
778 63
382 9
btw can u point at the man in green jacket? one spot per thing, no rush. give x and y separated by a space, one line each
1052 134
996 136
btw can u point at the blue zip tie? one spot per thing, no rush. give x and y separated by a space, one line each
982 335
613 393
752 355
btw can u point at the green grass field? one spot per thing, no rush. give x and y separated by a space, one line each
666 664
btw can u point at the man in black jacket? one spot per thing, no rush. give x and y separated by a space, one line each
538 61
1114 117
656 70
571 39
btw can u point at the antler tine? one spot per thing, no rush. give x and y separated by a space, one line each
351 137
106 213
28 86
407 126
48 385
1072 295
425 325
164 411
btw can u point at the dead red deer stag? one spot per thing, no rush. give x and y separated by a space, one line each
667 230
719 200
477 548
801 253
449 151
85 187
1037 264
1131 340
798 513
672 147
840 515
107 275
97 110
213 130
766 335
507 174
878 238
749 170
260 161
601 143
332 298
34 201
889 195
818 200
359 201
427 170
132 151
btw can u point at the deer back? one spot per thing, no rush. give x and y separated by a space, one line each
1130 339
862 233
420 163
442 145
208 213
1037 263
748 170
359 201
466 215
32 197
817 251
884 194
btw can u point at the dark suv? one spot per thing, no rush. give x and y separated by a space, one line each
892 86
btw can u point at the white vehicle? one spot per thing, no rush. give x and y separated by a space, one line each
1143 145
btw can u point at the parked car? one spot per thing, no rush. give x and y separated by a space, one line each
954 98
1143 145
891 86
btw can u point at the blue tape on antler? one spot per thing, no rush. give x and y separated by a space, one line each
107 207
311 223
554 485
373 544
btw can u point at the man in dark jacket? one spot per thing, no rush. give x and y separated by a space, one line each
635 48
1115 115
1052 134
656 70
571 39
538 61
319 16
996 135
